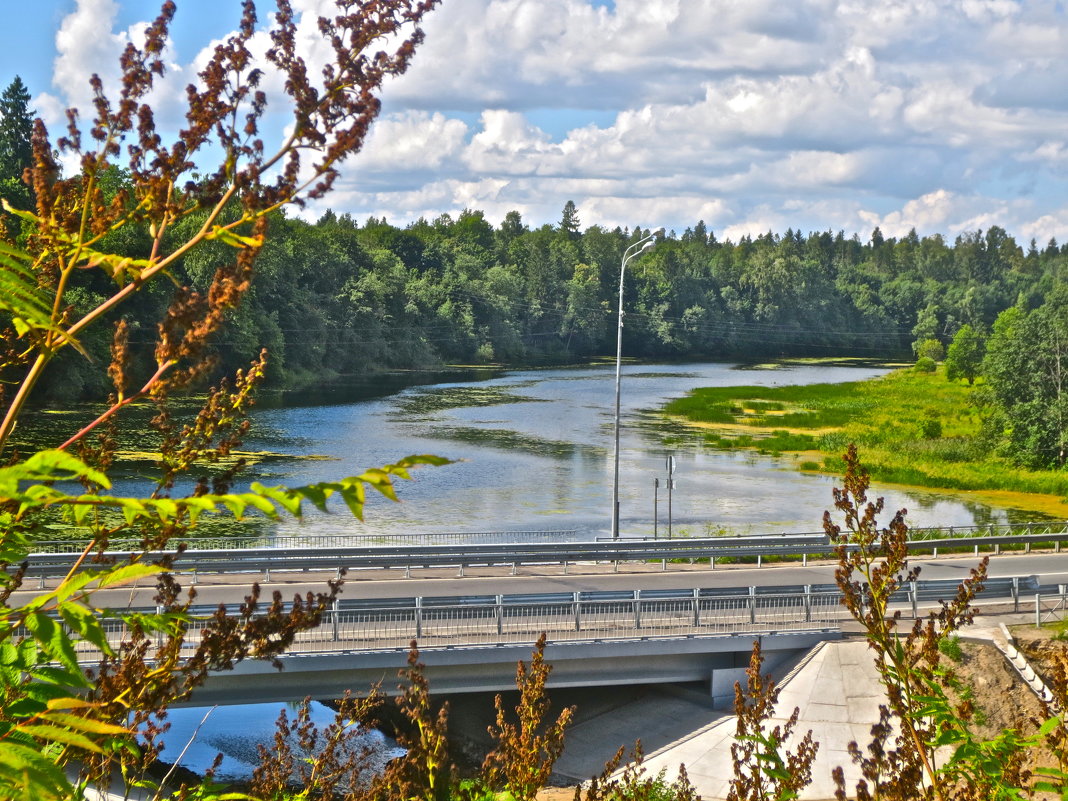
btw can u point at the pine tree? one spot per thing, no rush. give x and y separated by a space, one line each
569 222
16 127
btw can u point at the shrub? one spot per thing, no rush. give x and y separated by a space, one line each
931 426
925 364
929 349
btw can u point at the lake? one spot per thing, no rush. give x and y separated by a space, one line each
534 452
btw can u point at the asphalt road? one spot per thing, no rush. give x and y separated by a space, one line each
1049 567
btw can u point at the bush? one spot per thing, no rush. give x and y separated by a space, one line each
931 426
929 349
950 647
925 364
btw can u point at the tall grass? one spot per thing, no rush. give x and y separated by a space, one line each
891 419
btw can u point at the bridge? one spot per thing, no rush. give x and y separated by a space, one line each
471 642
333 553
595 638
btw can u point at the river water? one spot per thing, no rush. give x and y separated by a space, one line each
534 452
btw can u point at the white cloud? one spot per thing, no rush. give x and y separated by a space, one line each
412 141
751 114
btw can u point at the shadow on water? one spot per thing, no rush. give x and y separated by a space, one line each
353 389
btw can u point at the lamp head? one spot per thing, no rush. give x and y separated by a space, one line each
648 245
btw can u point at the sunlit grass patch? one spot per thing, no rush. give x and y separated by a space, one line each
912 428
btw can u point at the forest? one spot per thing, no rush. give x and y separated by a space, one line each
341 296
344 296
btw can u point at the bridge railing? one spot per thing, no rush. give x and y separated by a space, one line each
1054 531
393 624
498 623
328 541
356 625
265 560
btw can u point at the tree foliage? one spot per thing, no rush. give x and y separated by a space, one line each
1026 394
344 296
16 129
93 245
965 355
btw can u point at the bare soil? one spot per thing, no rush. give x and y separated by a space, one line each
1001 696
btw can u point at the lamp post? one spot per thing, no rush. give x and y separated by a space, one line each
638 247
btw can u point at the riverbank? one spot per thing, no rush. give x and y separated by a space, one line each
912 429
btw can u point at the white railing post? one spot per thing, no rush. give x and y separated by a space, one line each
752 604
696 607
419 617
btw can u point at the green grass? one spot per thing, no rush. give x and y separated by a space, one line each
950 647
889 418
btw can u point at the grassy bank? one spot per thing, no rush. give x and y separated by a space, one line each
911 428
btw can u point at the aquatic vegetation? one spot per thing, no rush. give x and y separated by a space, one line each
427 402
914 428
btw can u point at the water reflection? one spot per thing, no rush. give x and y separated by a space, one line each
534 452
237 732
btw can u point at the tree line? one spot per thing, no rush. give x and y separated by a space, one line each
338 297
341 296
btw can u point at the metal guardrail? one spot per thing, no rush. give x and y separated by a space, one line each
602 615
563 617
303 558
1057 529
331 540
267 559
359 625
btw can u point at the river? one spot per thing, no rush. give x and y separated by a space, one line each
534 452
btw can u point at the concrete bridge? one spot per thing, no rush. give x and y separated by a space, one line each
595 638
717 661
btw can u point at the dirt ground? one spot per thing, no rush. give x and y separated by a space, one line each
1003 699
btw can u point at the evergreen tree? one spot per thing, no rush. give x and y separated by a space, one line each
569 222
16 127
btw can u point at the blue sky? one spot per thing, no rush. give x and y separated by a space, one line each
943 115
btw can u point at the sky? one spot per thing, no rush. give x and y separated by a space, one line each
751 115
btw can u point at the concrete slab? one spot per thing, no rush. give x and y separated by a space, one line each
838 694
660 719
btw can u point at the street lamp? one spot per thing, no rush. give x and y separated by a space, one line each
640 246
